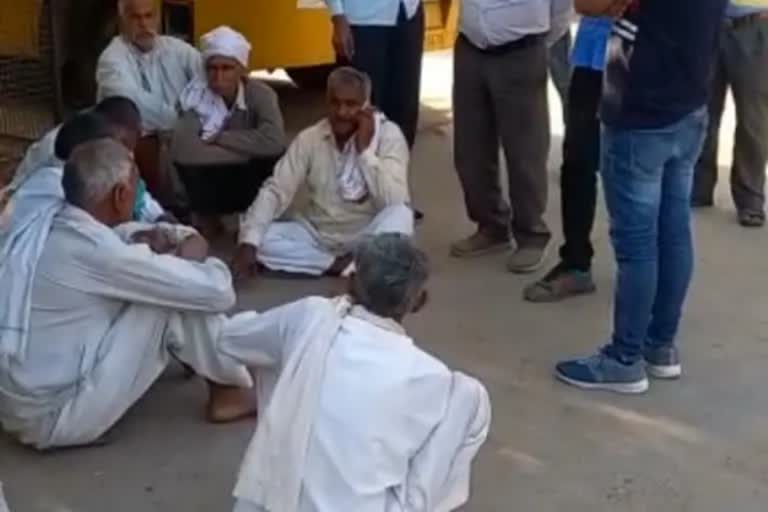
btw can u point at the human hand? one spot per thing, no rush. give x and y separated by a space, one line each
193 248
618 8
245 263
343 40
158 240
366 127
168 218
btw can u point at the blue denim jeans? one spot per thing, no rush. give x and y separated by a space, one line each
647 180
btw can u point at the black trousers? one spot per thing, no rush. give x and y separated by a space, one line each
225 189
581 161
391 56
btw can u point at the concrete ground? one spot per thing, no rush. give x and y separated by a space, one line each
698 445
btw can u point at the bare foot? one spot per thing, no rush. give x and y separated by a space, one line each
228 404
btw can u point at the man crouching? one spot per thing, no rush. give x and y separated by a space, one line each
354 416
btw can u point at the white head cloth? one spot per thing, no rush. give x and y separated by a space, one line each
225 42
197 96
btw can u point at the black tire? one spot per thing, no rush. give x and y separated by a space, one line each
311 77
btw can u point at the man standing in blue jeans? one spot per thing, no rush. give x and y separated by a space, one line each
659 66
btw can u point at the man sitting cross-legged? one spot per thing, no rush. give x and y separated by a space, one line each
230 134
353 415
354 166
90 318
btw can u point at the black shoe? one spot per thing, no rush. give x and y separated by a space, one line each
702 202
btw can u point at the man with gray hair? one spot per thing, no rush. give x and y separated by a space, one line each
106 305
152 70
354 166
354 416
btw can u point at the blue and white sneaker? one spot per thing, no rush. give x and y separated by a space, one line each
663 363
602 372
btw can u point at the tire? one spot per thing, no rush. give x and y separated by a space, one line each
311 77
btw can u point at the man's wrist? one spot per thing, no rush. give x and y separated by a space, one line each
339 18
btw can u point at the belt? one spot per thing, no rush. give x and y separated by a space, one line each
517 44
749 19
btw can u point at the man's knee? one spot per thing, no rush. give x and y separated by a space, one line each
396 218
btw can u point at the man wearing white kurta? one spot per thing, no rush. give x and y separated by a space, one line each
149 68
354 166
95 320
353 415
152 70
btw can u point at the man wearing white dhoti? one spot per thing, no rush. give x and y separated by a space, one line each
354 166
152 70
353 415
89 321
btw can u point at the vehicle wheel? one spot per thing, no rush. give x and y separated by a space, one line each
311 77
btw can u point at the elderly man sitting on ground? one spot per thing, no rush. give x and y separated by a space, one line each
230 134
96 316
354 166
152 70
119 118
354 416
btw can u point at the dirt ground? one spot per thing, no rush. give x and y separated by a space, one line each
698 445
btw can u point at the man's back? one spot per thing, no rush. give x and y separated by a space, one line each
380 399
659 61
85 280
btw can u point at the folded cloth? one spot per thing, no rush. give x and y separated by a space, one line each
22 238
269 474
208 105
351 180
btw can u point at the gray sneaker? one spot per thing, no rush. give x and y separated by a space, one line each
529 255
663 363
602 372
482 242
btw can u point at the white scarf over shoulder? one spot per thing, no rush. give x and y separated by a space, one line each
268 473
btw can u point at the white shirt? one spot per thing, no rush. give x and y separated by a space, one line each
153 80
42 155
381 402
312 160
372 12
496 22
85 277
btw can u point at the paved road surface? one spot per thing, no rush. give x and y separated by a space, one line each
699 445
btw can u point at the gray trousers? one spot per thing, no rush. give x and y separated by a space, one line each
742 64
502 98
560 68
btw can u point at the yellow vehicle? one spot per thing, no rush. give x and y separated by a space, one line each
49 48
290 34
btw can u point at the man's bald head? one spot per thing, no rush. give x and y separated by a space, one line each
139 22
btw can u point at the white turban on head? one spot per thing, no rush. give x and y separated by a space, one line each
197 96
226 42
